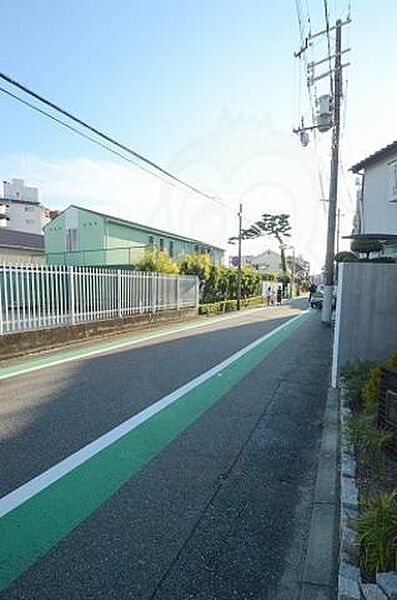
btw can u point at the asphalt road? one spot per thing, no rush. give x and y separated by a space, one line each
221 507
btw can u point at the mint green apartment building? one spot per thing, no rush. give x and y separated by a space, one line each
82 237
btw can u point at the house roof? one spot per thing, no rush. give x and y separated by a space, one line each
21 239
375 157
127 223
382 237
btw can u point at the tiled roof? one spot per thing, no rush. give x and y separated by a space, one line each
375 157
21 239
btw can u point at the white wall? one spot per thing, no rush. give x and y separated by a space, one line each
24 217
379 212
17 190
21 205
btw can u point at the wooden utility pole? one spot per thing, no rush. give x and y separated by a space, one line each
333 188
240 231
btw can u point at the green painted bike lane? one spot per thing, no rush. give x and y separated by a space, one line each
31 529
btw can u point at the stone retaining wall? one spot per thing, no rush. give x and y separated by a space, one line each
16 344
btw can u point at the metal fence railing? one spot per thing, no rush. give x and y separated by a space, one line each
36 297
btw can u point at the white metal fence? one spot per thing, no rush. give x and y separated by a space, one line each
35 297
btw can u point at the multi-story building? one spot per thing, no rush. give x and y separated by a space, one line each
20 208
79 236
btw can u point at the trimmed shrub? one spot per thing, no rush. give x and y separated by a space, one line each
371 388
345 256
228 305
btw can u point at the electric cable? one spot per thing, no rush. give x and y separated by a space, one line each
100 134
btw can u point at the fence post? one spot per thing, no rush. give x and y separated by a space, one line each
154 291
71 294
178 293
2 283
197 297
119 293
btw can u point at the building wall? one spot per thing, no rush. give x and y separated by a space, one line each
20 256
24 217
267 262
366 324
16 189
20 205
99 241
379 209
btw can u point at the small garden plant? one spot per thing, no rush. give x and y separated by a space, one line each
377 474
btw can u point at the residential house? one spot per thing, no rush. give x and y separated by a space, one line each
21 247
266 262
376 214
299 267
79 236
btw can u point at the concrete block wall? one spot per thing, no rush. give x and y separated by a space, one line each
366 314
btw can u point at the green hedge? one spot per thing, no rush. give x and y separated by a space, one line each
228 305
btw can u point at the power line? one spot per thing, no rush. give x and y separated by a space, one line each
98 143
326 14
101 134
312 96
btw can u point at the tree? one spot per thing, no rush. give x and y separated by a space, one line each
366 246
157 261
276 226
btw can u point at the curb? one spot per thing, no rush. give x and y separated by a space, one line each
319 577
350 584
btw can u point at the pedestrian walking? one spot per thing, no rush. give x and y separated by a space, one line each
279 294
268 295
273 298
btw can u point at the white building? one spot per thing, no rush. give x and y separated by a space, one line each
266 262
20 208
376 213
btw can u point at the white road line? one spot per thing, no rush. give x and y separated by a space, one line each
21 494
133 342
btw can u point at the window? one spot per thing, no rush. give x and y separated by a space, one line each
171 248
151 240
161 243
29 221
71 240
393 181
29 208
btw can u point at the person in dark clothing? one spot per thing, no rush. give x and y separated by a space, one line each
279 295
312 290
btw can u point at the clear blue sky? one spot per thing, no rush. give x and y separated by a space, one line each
152 73
162 74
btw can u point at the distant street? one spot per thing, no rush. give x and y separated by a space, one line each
205 495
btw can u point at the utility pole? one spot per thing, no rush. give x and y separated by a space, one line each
240 231
328 116
333 187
